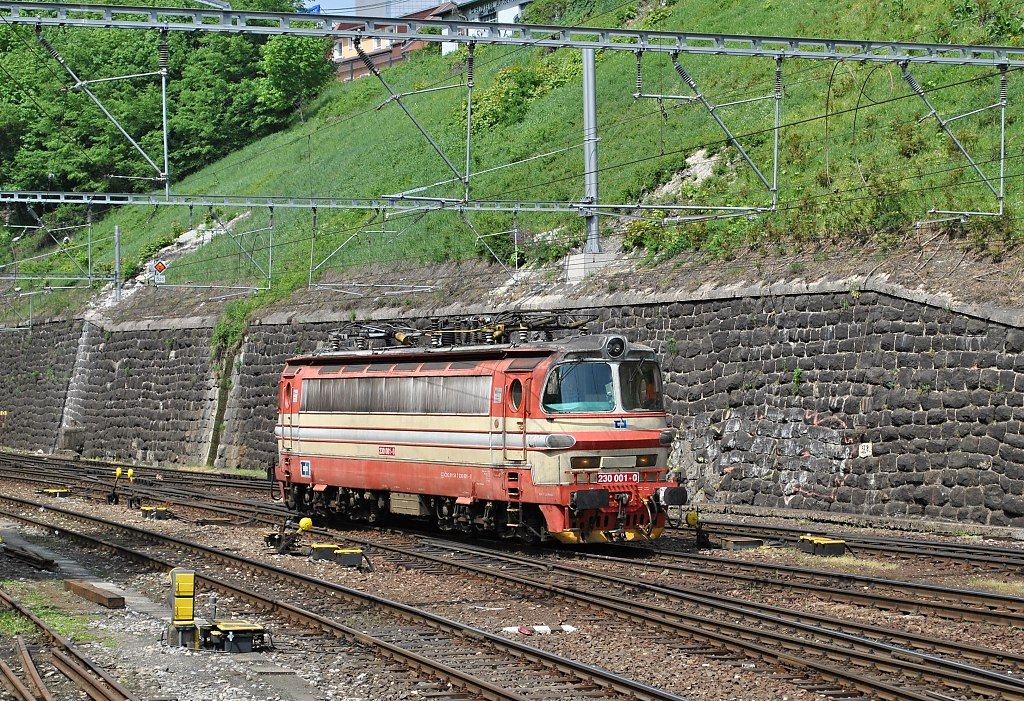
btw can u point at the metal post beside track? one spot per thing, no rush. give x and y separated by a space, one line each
590 149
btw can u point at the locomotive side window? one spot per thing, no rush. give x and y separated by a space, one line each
641 385
452 394
579 387
515 394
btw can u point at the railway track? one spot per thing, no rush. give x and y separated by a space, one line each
488 665
96 683
859 645
983 556
888 594
74 469
824 648
975 554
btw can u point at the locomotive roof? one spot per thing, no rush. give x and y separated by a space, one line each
569 346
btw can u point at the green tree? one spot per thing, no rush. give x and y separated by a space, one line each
292 70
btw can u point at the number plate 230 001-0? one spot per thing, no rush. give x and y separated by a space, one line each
618 478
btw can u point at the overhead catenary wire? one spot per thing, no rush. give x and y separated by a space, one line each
784 205
505 55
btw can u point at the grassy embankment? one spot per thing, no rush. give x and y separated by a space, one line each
877 172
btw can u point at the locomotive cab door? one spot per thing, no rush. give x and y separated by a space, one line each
288 407
514 411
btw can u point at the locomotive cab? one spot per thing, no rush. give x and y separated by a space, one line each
607 394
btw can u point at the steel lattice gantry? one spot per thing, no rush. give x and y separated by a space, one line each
550 36
907 55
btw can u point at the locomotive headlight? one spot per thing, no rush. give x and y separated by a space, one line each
646 460
588 462
615 347
557 441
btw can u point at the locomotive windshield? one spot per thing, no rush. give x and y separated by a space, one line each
640 383
581 387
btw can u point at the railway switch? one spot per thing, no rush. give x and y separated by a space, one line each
285 539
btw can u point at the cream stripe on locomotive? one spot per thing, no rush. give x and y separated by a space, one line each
558 423
493 441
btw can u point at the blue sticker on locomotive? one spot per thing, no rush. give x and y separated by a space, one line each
621 423
305 468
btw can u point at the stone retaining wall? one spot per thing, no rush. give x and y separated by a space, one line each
843 402
146 395
829 399
34 368
839 401
248 439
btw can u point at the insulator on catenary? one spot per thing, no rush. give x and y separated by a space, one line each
778 80
1003 92
165 54
684 74
469 66
912 82
48 47
639 73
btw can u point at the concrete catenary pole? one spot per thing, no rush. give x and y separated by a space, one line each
117 263
590 149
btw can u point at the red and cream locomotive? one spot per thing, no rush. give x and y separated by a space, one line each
536 440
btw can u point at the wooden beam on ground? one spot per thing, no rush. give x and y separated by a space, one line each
95 594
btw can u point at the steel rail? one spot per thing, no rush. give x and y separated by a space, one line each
103 682
504 33
763 644
600 677
92 688
14 684
983 555
103 466
851 633
302 616
996 683
29 666
946 602
991 607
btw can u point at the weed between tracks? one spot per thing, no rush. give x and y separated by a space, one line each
12 624
1013 587
41 599
844 563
